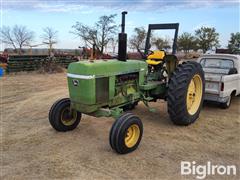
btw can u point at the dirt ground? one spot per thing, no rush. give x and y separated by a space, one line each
31 149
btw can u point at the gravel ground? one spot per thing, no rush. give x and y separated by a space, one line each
31 149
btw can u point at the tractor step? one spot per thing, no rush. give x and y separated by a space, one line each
150 85
148 99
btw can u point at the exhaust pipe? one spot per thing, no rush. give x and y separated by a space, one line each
122 41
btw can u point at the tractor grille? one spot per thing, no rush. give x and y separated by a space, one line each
102 89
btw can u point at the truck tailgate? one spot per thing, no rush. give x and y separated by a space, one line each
212 83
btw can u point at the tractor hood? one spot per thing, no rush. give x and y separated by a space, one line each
104 68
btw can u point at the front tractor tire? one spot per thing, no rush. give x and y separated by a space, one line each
126 133
186 93
62 118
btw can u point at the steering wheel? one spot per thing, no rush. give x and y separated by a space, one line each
144 56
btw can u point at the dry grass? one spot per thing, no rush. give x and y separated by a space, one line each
50 66
31 149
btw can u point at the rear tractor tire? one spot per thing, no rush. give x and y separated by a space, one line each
62 118
186 93
126 133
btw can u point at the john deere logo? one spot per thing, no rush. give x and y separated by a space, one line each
75 82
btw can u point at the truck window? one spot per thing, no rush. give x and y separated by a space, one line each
216 63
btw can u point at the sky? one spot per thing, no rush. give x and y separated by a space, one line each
61 15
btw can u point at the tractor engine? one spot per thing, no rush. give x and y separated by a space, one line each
126 84
126 87
155 72
105 83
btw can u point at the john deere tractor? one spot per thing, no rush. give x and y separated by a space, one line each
111 87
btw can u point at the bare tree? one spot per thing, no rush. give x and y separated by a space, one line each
99 35
17 37
138 39
161 43
113 43
7 37
49 37
86 33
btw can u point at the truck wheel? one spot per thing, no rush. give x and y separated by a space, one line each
61 118
186 93
126 133
226 104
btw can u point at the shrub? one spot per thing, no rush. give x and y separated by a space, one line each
49 65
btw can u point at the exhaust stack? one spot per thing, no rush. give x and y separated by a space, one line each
122 41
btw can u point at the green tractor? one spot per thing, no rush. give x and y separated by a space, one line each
111 87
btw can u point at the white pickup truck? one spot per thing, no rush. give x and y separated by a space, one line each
222 77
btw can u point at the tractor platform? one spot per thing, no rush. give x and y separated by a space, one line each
150 85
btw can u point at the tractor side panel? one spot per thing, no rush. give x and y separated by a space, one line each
112 89
102 90
82 90
142 73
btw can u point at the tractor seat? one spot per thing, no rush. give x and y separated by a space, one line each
156 57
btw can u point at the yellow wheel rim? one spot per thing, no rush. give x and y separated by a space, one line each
67 118
132 135
194 94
